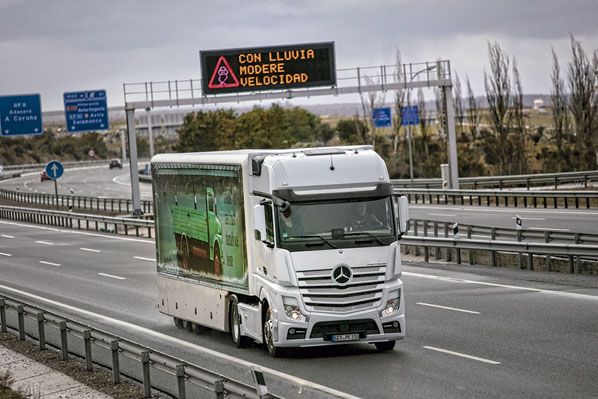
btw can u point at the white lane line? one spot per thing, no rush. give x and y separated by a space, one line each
142 258
447 308
7 236
186 344
546 228
90 250
442 214
49 263
112 276
108 236
5 254
514 287
45 242
479 359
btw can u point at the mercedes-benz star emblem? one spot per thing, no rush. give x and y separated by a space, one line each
342 274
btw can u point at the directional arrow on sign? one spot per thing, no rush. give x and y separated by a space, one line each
54 169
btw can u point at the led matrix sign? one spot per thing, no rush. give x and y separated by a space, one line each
267 68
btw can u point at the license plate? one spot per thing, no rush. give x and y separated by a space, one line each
345 337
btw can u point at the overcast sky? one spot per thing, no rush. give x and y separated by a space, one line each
53 46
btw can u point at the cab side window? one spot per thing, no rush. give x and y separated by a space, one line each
269 223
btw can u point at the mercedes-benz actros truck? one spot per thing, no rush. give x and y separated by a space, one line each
287 248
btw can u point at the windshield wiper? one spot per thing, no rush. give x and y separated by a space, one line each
367 233
316 236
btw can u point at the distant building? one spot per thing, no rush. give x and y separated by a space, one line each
538 103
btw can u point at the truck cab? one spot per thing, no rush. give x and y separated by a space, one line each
328 262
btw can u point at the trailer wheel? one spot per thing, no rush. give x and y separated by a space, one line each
178 322
217 260
235 326
187 325
273 351
385 346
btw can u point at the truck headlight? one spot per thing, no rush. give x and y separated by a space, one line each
392 307
294 313
291 309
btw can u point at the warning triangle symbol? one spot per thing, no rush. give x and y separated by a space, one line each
223 73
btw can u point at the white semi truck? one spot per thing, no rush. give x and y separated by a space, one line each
289 248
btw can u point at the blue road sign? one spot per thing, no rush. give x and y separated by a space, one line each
54 170
86 111
20 115
381 117
410 115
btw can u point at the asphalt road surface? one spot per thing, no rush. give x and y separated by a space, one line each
472 332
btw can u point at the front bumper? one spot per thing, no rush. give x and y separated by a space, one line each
320 328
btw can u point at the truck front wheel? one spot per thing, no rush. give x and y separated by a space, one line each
273 351
385 346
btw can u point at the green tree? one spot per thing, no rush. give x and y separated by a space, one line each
206 131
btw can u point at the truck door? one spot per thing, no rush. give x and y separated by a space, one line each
213 230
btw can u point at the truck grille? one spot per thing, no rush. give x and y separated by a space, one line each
364 290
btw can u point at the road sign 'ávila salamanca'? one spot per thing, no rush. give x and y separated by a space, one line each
268 68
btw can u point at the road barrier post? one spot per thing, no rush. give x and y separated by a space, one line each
115 364
41 332
21 317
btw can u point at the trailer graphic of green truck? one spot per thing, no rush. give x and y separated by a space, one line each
198 236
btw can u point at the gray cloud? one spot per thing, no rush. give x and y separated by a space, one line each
62 45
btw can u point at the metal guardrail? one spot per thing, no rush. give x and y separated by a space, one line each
428 228
123 357
500 182
76 201
79 221
436 229
574 252
500 197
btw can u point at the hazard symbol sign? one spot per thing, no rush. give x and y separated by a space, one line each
223 76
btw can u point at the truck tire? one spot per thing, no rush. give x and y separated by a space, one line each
217 260
385 346
273 351
235 326
178 322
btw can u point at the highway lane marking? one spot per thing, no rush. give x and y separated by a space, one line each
108 236
112 276
5 254
479 359
441 214
515 287
49 263
546 228
45 242
7 236
142 258
182 343
447 308
528 218
90 250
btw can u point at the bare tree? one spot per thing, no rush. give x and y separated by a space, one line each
560 113
498 95
582 79
423 122
519 119
370 101
474 115
458 102
399 100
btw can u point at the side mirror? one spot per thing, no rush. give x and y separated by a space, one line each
403 206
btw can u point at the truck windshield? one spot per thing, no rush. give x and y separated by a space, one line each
340 223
